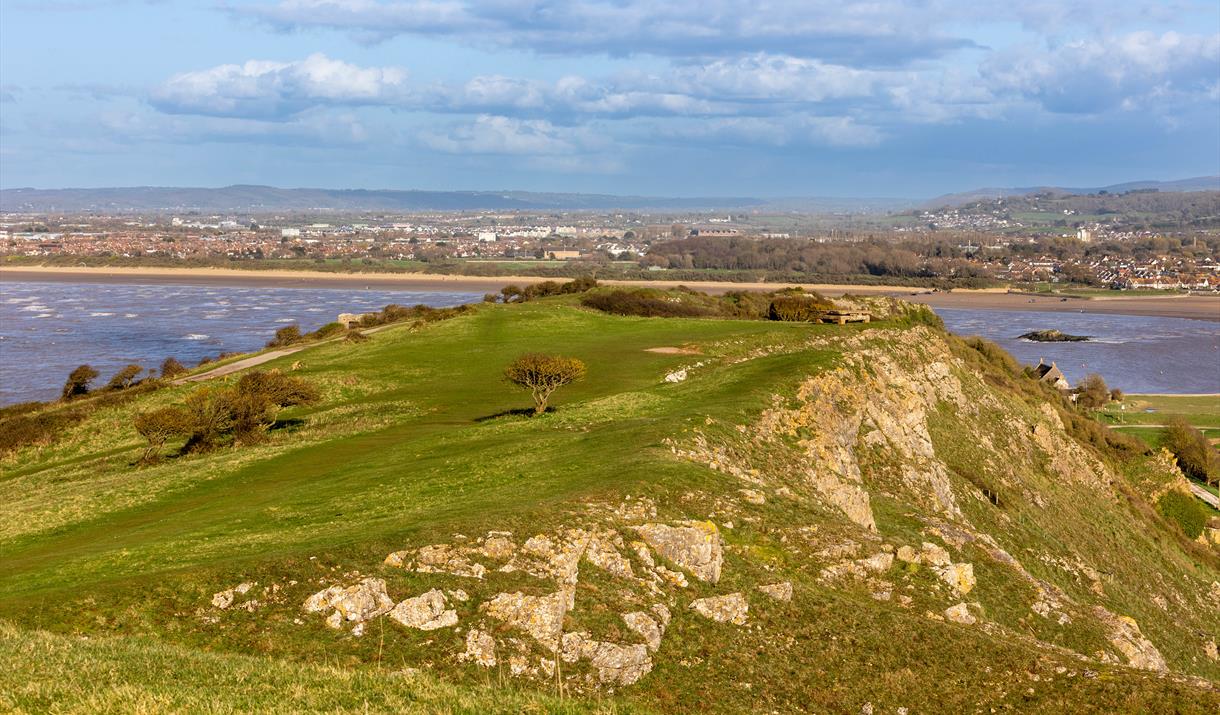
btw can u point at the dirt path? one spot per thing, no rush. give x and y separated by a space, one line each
242 364
1206 496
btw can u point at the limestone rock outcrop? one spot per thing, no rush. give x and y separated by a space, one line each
695 547
358 603
729 608
426 612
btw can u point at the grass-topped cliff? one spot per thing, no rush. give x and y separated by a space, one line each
864 516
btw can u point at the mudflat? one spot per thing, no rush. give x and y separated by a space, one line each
1199 307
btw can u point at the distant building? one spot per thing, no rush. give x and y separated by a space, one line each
1083 234
561 255
714 231
290 233
1052 375
486 236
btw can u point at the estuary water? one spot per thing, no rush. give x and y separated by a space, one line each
1138 354
47 329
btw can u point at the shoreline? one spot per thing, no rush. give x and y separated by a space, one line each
1197 307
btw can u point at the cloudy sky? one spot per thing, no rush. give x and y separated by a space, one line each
903 98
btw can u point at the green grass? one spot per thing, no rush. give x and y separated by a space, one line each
415 440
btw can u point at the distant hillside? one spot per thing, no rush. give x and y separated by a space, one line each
257 199
1199 183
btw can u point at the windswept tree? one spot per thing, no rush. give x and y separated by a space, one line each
258 397
171 368
209 417
159 426
124 378
1092 393
1196 457
78 381
542 375
287 335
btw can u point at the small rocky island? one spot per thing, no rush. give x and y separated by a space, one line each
1054 336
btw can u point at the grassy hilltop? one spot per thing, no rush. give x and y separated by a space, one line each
955 538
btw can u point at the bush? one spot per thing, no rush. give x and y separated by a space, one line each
329 330
171 368
355 336
25 430
1196 457
78 382
244 411
798 308
1092 393
159 426
208 418
124 378
285 336
491 298
623 302
542 375
1183 510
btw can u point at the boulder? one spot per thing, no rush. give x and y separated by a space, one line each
224 599
781 591
615 663
426 612
539 616
908 554
960 614
753 496
499 547
695 547
935 555
442 558
1124 634
646 627
602 553
360 602
480 648
730 608
959 576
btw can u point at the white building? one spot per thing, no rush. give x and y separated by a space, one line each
290 233
486 236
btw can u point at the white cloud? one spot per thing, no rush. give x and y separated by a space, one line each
1139 70
489 134
277 90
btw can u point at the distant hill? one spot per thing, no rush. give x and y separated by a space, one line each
256 199
1198 183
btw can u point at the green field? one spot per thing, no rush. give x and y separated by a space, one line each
108 568
1134 412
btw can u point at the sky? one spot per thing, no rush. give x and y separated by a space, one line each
770 98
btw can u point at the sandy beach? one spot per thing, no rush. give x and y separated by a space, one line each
1199 307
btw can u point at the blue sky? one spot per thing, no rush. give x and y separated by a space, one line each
905 98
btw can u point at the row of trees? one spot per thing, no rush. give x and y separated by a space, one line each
80 380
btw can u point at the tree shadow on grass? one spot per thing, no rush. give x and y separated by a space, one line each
520 412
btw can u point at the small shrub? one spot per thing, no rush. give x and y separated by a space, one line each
124 378
1092 393
1183 510
491 298
159 426
79 381
355 336
171 368
285 336
329 330
26 430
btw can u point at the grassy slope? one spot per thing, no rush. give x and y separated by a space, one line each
398 453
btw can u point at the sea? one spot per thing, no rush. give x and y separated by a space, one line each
47 329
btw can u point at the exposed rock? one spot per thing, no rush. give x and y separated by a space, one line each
695 547
908 554
781 591
935 555
878 563
360 602
539 616
647 628
1210 649
960 614
753 496
636 510
224 599
425 612
959 576
442 558
498 547
731 608
1124 634
480 648
662 614
676 376
615 663
458 594
601 552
